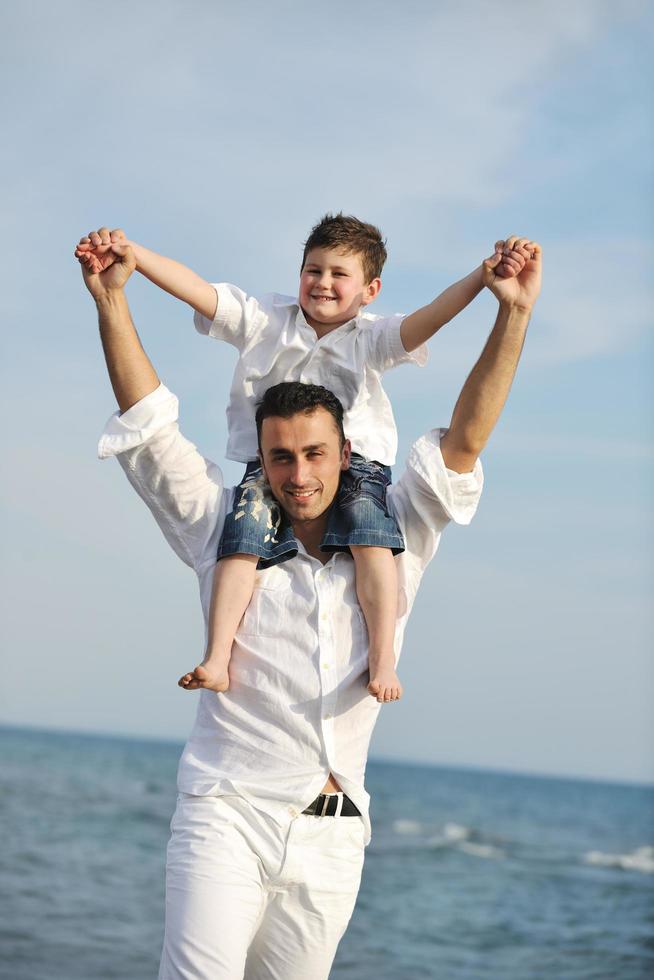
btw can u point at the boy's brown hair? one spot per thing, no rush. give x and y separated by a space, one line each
347 233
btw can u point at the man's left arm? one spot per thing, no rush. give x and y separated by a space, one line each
419 327
484 394
443 479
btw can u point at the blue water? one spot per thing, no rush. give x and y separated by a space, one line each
470 874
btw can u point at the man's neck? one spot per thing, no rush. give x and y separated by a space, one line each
311 533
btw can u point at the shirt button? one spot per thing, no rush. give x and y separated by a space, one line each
292 811
328 717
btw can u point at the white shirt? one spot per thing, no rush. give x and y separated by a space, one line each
297 708
275 344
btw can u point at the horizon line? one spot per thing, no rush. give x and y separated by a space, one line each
385 760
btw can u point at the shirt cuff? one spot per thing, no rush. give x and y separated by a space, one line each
458 493
139 423
400 355
228 311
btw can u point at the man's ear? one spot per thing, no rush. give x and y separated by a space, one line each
345 455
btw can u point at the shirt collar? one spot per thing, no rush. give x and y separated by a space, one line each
299 316
335 559
290 301
284 300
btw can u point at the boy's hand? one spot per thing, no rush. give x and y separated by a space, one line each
514 253
522 287
108 271
95 248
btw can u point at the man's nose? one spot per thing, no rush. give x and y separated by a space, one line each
299 472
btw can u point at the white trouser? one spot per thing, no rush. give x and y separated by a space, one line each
246 898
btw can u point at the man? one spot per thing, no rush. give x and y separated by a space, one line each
267 839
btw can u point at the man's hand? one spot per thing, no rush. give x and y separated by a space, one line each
98 245
513 272
107 261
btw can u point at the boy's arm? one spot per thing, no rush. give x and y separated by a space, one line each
183 490
418 327
175 278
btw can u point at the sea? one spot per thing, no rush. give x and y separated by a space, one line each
470 874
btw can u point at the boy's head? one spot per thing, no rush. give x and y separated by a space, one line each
346 234
341 266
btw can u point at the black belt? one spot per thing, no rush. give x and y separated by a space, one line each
326 805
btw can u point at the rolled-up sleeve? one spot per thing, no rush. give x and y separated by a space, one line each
429 495
236 316
183 490
385 347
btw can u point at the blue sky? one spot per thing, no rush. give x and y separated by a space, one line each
218 134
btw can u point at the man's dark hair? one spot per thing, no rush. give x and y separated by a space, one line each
347 233
293 398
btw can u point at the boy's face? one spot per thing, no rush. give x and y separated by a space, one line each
333 288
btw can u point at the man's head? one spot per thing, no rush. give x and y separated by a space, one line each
341 268
302 446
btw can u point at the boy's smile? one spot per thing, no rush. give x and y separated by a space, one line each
333 288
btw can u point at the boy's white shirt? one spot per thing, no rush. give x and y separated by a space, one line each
275 344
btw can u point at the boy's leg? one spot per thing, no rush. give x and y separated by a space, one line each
233 584
362 524
253 535
376 581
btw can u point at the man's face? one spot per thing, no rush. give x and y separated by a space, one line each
333 287
302 459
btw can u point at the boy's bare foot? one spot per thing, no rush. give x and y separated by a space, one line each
385 686
209 677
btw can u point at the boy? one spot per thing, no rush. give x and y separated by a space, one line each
322 338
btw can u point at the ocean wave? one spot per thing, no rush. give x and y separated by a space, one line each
642 859
407 827
453 835
486 851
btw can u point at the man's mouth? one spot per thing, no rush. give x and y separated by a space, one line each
301 494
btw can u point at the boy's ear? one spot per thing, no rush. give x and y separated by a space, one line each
345 455
372 290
